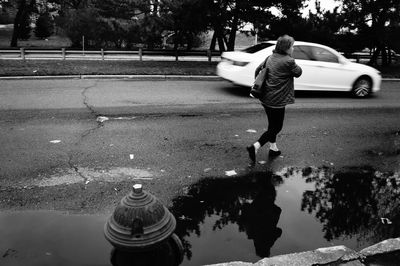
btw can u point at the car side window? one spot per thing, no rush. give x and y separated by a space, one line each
302 52
321 54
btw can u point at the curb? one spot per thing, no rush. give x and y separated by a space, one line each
390 79
134 77
336 255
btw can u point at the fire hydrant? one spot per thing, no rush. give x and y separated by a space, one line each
140 227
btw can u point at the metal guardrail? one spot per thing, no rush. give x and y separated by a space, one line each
63 54
362 57
140 54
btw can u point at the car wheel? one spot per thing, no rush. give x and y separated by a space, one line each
362 87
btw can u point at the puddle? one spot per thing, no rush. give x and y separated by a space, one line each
391 259
240 218
250 217
43 238
51 238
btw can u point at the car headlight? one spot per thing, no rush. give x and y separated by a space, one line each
239 63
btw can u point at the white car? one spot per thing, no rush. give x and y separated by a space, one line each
324 69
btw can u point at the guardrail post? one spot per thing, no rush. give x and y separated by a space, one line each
63 53
176 55
22 53
140 53
209 54
102 54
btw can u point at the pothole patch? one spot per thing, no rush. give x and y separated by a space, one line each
87 175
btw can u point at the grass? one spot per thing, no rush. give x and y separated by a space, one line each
392 71
114 67
98 67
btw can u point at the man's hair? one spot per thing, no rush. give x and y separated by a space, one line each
283 44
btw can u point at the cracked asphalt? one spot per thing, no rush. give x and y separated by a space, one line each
168 135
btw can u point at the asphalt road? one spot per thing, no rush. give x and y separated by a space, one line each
126 97
78 145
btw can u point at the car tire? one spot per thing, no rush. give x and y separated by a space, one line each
362 87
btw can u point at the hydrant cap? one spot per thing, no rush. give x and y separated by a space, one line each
137 188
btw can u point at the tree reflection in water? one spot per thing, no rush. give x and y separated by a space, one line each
352 202
349 203
245 201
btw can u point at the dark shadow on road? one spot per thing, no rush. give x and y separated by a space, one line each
236 90
242 91
330 94
322 94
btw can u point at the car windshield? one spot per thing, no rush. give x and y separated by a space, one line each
257 47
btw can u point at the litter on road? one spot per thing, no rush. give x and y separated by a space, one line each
386 221
101 119
124 118
230 173
55 141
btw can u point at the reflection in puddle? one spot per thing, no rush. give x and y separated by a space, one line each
241 218
51 238
265 214
41 238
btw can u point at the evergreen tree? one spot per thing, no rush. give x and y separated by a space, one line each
44 26
377 23
25 29
22 20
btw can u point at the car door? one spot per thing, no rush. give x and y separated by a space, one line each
322 70
302 55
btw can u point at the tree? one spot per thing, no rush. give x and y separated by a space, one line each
79 23
151 30
24 9
324 25
376 22
94 20
71 4
24 31
289 22
229 16
122 9
218 21
7 12
186 19
44 26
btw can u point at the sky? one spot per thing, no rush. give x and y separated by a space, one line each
325 4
